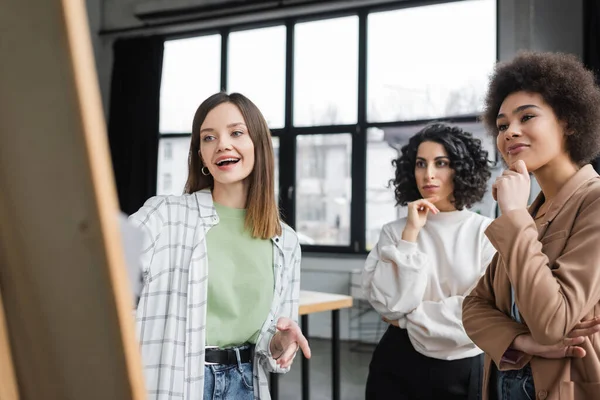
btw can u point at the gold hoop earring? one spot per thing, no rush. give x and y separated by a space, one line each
207 173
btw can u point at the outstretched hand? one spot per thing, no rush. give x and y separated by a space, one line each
286 342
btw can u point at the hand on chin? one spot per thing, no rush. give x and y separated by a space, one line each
513 159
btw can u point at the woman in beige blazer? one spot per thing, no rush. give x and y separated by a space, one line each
532 313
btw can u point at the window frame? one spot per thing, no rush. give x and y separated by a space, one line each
288 133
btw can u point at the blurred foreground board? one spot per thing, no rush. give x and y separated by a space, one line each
66 328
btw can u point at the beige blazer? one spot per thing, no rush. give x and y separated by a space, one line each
553 263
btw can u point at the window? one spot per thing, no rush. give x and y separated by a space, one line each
326 72
341 94
191 73
437 66
380 195
173 172
323 194
167 182
257 70
168 153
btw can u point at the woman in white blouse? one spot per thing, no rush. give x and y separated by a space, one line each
424 265
219 305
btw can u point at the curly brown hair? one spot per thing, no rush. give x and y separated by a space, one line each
564 84
467 157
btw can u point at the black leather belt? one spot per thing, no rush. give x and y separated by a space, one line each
227 356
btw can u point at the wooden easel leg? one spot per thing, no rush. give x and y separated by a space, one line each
8 387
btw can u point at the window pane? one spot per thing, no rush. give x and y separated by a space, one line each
172 171
191 72
257 70
275 141
323 189
380 198
382 147
438 65
326 72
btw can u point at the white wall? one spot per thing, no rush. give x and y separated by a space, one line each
119 14
545 25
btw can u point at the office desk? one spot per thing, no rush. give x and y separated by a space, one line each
310 303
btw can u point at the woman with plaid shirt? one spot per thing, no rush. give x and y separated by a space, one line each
215 333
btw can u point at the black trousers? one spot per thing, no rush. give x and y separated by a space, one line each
397 371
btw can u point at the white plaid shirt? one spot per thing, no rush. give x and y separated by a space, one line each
171 313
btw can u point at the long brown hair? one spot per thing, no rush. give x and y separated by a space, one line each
262 213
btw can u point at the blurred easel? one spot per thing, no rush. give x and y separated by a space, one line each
66 330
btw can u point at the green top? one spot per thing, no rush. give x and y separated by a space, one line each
240 281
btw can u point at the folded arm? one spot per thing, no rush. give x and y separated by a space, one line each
568 289
439 323
488 327
395 276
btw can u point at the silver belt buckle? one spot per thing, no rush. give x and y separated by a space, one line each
209 347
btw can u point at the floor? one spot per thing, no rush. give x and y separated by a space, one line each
355 366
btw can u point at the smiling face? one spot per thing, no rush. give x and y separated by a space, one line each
528 130
226 148
433 174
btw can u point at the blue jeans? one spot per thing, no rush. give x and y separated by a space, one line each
515 384
228 382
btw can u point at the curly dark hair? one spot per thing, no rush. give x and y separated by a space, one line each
467 158
564 84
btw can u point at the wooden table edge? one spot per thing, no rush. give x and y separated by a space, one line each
326 306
